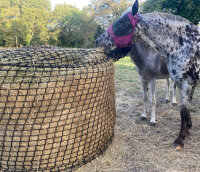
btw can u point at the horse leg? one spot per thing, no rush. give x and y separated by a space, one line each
174 94
145 98
153 102
178 143
168 91
186 122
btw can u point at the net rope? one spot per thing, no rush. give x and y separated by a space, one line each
57 107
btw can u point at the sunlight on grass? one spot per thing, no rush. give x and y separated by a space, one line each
126 62
126 75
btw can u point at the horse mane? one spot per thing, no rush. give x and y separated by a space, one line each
199 27
167 16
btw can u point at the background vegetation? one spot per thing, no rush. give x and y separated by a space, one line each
34 22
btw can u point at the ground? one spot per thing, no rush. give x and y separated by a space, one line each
139 147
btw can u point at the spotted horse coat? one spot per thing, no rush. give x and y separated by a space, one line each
177 40
151 67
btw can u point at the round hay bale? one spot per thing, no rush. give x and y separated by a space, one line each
57 108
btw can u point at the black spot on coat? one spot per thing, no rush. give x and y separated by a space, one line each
174 72
180 40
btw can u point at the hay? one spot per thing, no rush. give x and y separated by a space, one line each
57 107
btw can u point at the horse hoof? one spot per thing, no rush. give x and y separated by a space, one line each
187 132
178 145
142 118
152 123
174 104
166 100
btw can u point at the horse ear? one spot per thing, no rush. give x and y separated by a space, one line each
135 8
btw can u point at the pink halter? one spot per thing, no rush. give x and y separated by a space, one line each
125 40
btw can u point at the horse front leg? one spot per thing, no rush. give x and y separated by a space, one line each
145 98
153 102
186 122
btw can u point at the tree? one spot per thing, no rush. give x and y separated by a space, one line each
98 32
8 13
107 11
38 4
24 22
31 22
70 29
153 6
35 20
185 8
73 27
88 28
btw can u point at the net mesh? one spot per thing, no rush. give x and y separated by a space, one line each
57 108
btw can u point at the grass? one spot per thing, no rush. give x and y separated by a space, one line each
126 75
139 147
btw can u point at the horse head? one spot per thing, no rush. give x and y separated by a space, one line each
117 39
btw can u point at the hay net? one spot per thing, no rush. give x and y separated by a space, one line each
57 107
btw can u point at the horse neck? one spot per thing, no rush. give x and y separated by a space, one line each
160 33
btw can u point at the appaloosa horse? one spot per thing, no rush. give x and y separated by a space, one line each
175 38
150 66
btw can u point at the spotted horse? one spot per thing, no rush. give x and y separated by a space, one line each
151 67
176 39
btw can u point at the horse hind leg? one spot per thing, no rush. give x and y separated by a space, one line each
186 122
188 119
186 99
174 94
179 142
168 91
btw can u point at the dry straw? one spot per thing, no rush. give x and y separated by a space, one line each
57 108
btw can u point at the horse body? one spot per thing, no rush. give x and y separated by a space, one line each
177 41
149 63
150 67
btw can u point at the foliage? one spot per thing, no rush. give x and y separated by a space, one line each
23 22
107 11
185 8
33 22
153 6
73 27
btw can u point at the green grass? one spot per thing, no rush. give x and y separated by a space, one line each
124 63
126 77
125 71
